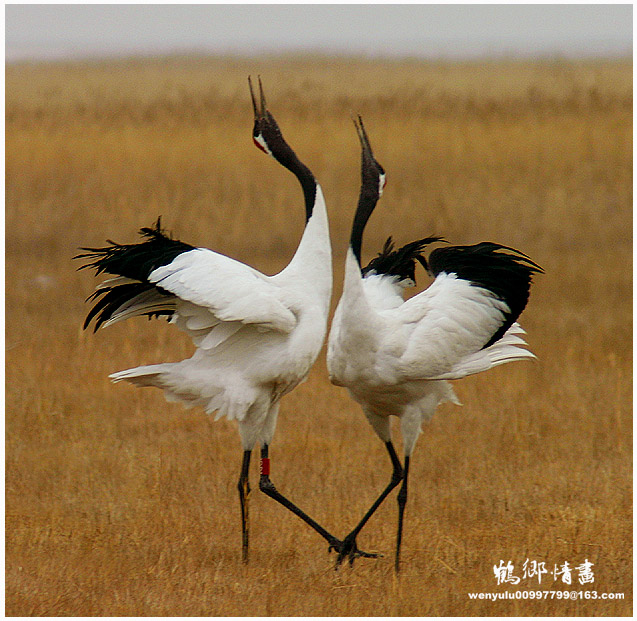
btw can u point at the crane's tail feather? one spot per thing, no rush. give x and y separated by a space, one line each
190 389
148 375
506 349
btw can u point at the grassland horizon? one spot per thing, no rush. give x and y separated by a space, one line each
118 503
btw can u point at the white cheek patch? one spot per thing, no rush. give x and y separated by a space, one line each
382 181
261 143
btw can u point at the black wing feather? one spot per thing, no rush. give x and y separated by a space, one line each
401 262
134 261
504 271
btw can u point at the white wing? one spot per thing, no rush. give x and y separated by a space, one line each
213 297
227 289
442 326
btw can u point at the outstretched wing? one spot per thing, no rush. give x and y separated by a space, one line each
228 289
471 307
503 271
198 288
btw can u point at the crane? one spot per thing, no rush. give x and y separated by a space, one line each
256 336
395 356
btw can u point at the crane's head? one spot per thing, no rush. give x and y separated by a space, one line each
268 138
372 173
266 133
372 185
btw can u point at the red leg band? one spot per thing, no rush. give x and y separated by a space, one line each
264 468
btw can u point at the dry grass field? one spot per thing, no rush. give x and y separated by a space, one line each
118 503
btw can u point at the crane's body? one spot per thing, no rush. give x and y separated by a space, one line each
256 336
395 356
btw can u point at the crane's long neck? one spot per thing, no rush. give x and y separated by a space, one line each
372 182
354 299
363 212
310 188
311 264
353 303
286 157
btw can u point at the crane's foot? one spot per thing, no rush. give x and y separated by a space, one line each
347 549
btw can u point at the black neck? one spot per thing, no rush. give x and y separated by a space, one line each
286 157
268 129
367 199
366 205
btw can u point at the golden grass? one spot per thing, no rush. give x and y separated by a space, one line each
118 503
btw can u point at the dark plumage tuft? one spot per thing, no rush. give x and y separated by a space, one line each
401 262
109 299
134 261
504 271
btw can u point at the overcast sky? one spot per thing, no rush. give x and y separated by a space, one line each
424 30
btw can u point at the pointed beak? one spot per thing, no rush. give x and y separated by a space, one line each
367 153
260 117
260 107
254 101
362 135
370 167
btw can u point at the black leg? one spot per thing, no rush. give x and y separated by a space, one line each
402 500
267 487
349 543
244 491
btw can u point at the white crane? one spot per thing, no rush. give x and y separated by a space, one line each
256 336
394 356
